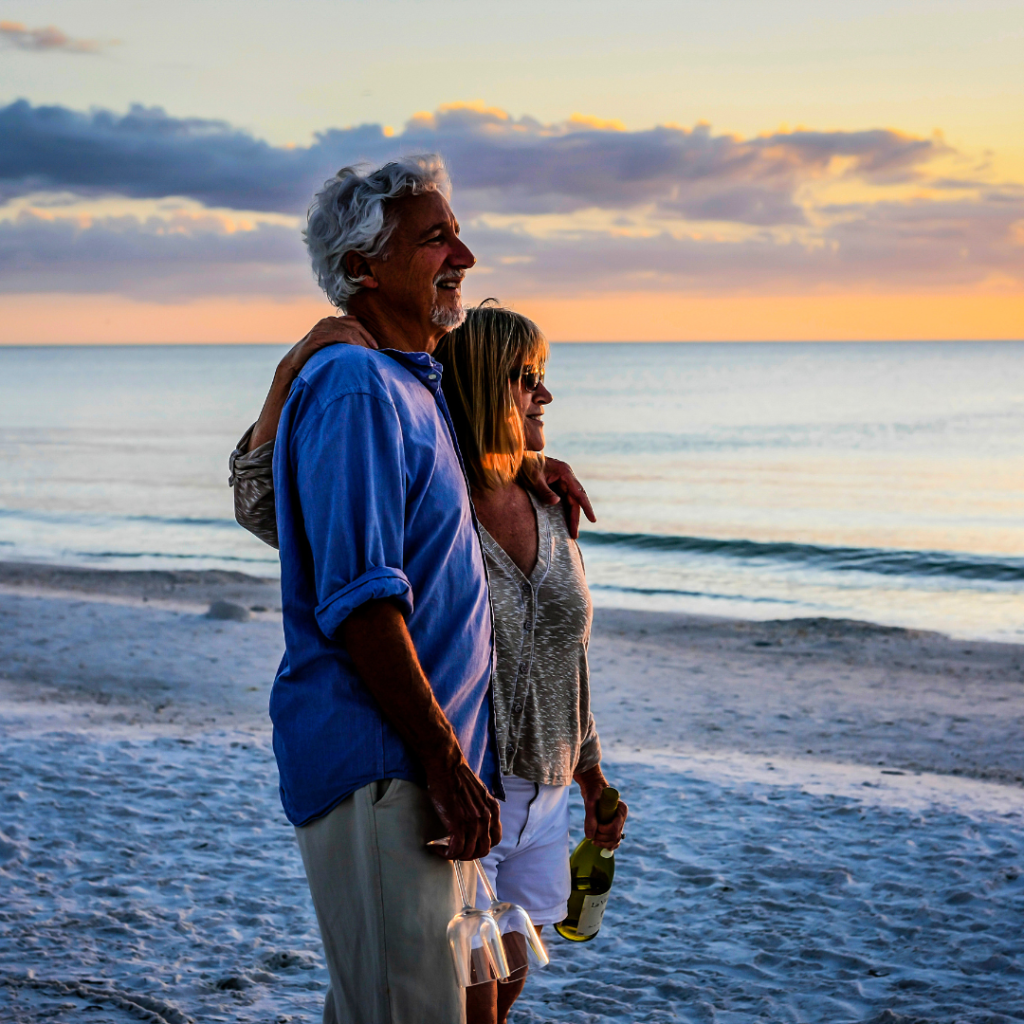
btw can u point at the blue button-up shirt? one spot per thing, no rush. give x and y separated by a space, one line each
372 502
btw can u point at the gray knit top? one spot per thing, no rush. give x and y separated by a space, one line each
541 682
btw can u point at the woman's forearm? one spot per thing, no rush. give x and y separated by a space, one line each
592 783
251 477
270 415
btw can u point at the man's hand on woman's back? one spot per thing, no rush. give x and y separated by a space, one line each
554 481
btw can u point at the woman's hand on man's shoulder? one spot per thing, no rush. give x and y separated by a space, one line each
332 330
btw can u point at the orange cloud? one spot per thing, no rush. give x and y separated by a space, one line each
623 316
60 319
598 123
47 39
866 316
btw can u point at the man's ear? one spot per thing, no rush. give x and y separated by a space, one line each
362 268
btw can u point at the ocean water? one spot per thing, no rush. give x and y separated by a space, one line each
882 482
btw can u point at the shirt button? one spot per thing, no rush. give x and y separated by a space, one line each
523 667
431 376
527 625
518 709
509 751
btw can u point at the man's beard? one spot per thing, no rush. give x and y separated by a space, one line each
449 317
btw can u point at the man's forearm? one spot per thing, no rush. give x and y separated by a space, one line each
382 651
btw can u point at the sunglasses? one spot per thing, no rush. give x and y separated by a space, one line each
528 376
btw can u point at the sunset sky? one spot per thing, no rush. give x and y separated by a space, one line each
705 170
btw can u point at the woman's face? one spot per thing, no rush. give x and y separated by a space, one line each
530 403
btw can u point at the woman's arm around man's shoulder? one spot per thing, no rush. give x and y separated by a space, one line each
251 463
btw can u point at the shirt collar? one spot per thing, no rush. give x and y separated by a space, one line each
420 364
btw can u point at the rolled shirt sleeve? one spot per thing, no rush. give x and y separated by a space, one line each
350 477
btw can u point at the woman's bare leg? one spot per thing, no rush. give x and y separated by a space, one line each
509 991
482 1003
490 1003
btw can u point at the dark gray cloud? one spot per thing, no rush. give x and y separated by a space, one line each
151 258
45 40
525 167
147 154
500 165
506 166
917 245
922 244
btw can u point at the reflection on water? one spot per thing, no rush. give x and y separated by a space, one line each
907 456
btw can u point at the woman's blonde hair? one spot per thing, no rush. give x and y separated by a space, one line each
479 358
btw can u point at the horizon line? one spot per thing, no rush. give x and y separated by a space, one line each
561 341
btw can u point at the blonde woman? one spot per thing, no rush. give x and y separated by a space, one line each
493 384
540 604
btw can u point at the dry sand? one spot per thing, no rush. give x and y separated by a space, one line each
97 647
827 818
825 689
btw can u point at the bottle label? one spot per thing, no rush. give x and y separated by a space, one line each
591 913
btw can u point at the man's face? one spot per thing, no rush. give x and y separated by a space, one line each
421 279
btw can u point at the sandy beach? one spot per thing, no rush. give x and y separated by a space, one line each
827 817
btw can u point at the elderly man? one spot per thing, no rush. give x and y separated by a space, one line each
381 705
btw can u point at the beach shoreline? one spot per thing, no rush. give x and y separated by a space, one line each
141 648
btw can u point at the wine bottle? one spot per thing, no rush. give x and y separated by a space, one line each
592 871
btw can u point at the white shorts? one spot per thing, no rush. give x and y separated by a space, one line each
530 866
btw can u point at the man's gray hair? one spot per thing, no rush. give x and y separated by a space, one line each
349 214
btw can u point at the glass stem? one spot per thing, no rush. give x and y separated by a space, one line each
486 881
466 905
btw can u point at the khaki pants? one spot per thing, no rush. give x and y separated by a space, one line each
383 903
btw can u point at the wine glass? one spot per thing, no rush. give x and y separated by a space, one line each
475 942
519 936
